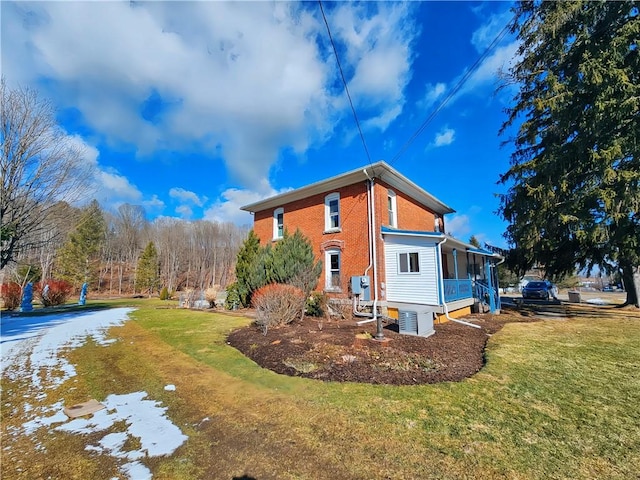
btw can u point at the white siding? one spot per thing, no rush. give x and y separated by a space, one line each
419 287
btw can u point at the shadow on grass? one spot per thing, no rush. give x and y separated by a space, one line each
560 309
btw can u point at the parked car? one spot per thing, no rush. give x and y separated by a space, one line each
537 289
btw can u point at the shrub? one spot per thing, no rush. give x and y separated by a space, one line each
57 294
277 304
11 294
316 304
188 298
233 297
211 294
164 293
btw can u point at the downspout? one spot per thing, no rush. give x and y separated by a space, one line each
356 312
372 228
441 282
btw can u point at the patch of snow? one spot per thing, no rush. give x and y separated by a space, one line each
137 471
45 421
33 347
170 388
596 301
41 340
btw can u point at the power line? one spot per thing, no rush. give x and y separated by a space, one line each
344 82
451 93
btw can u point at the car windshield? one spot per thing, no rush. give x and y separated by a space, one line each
536 285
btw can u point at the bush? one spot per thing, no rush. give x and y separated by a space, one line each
57 294
11 294
164 294
277 304
233 297
316 304
211 294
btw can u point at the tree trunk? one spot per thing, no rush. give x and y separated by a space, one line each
631 282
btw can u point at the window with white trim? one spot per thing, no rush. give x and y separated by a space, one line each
392 207
332 212
408 262
278 223
332 267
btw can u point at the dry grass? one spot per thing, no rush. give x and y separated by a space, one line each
557 399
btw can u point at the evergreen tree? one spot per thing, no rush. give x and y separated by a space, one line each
474 241
246 268
293 262
574 181
148 270
78 259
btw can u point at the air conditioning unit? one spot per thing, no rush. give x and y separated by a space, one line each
408 322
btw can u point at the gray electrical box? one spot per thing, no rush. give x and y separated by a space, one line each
355 286
360 285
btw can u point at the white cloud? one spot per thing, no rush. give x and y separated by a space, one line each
459 226
184 211
187 196
446 136
486 33
378 51
433 93
244 79
153 204
227 209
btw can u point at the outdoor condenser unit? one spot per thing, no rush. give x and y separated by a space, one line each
408 322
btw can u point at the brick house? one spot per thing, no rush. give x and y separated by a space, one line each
382 242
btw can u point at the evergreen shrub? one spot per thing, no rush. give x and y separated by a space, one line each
233 297
316 304
164 293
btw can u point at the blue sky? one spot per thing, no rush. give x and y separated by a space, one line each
193 109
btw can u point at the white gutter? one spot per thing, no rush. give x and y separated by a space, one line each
441 282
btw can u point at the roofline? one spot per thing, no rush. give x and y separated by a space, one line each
380 170
436 235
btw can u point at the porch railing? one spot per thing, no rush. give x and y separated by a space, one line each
483 293
457 289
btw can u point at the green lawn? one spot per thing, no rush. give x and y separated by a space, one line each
557 399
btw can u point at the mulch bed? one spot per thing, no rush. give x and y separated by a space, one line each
342 351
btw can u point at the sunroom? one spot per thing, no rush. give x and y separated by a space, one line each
439 271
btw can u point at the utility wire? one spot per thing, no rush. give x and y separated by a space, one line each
451 93
344 81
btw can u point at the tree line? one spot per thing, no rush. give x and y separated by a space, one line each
105 249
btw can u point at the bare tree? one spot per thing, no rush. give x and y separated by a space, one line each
40 166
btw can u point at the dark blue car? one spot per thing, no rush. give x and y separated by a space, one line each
538 290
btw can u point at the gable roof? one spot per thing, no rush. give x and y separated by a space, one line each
379 170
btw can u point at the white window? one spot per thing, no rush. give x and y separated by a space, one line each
393 208
332 268
332 212
437 223
409 262
278 223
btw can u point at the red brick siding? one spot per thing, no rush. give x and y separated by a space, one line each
411 214
308 216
